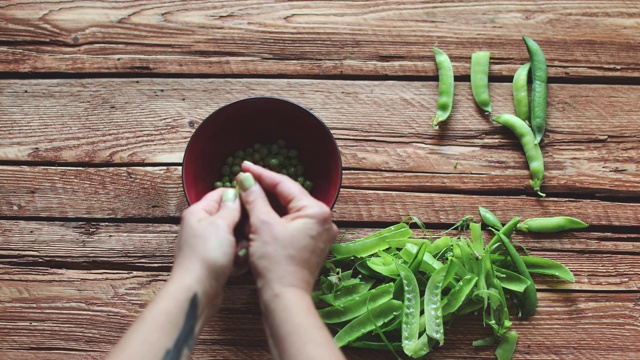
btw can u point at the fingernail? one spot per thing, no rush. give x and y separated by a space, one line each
229 194
246 181
248 162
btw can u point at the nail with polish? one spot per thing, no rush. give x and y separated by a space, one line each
229 194
246 181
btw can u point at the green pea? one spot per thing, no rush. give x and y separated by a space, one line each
218 184
274 163
300 180
273 149
529 145
239 154
480 79
445 87
538 88
308 185
299 170
226 170
248 152
226 179
230 160
521 92
292 153
227 184
234 183
551 224
235 169
264 152
256 157
237 161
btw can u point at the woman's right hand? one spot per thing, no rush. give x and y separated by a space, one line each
285 252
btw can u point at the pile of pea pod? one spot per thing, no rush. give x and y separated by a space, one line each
391 290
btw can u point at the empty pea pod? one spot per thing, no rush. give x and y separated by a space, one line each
456 297
538 88
521 92
551 224
507 345
363 323
433 304
356 305
372 243
530 297
529 146
411 312
480 79
445 87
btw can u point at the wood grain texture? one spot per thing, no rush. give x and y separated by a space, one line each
372 38
87 311
599 261
156 192
150 121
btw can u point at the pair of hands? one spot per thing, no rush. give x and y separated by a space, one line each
285 252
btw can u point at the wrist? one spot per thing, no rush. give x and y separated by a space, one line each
209 288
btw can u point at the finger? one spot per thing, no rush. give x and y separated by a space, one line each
289 192
229 208
241 260
254 199
210 203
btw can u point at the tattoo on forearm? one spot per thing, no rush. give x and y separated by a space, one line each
186 336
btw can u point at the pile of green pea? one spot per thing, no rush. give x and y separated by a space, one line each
274 156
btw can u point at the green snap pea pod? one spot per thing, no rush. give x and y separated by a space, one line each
507 345
510 280
551 224
459 294
433 304
429 264
411 312
489 218
488 341
388 270
401 243
530 297
538 88
357 305
476 236
480 79
372 243
345 292
529 146
439 245
507 230
445 87
363 324
521 92
546 266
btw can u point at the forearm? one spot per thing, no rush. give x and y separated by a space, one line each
295 329
168 327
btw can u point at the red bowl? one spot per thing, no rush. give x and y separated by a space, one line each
245 122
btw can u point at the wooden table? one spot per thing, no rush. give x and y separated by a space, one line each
99 98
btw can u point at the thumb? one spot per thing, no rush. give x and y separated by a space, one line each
254 198
229 211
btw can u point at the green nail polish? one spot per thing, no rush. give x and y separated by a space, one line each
229 194
246 181
242 252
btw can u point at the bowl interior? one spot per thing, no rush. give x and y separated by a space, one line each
262 120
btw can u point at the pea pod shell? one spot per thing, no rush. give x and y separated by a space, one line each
459 294
551 224
538 88
489 218
539 265
433 304
507 345
480 79
363 324
529 146
411 312
445 87
357 305
372 243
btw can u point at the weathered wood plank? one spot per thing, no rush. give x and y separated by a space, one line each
151 120
123 121
600 261
88 311
580 38
156 192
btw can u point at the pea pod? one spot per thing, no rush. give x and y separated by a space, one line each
445 87
372 243
507 230
357 305
433 304
551 224
538 88
529 146
344 293
521 92
530 297
411 312
507 345
489 218
510 280
363 324
480 79
546 266
459 294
